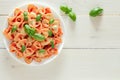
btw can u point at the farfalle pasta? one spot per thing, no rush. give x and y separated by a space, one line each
34 33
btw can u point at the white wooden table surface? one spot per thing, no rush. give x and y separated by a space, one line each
91 50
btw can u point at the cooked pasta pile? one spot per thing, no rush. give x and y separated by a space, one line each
34 33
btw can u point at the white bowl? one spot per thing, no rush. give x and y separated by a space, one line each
7 42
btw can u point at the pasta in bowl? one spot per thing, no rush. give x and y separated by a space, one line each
34 34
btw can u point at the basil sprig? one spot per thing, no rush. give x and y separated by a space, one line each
69 12
32 33
65 9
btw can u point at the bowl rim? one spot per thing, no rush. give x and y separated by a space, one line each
63 37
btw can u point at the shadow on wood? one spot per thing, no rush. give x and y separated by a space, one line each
96 22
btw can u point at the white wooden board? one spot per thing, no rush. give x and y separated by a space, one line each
82 7
91 50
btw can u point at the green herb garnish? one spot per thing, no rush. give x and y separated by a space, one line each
14 28
72 15
25 16
52 43
23 48
96 12
65 9
50 33
51 21
38 17
69 12
25 13
42 51
30 31
38 37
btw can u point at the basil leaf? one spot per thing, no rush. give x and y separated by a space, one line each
42 51
52 43
14 28
27 28
30 31
23 48
51 21
65 9
96 12
38 17
38 37
25 13
72 15
50 33
25 18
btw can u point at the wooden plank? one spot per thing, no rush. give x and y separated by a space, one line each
100 32
72 64
81 7
2 20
